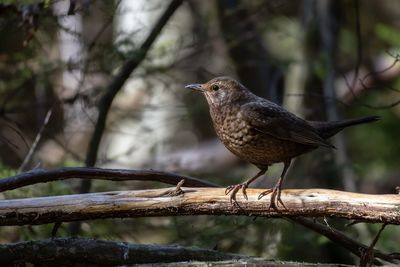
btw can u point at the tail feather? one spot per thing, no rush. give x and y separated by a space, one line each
330 128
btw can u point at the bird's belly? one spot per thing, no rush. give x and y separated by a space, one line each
262 149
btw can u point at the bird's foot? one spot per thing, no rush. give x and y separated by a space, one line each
275 197
233 189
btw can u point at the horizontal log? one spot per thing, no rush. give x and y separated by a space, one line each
199 201
84 252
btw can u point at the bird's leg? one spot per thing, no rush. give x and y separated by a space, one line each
233 189
276 190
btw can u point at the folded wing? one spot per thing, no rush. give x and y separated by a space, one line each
275 121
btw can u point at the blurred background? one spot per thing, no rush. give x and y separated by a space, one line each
323 60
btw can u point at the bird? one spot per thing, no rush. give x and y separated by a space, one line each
263 133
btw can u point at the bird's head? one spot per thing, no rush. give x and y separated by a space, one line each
220 91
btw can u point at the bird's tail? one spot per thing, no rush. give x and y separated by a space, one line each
329 129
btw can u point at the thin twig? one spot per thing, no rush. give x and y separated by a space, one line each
32 150
368 255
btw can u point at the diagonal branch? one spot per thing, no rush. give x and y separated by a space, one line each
32 150
349 244
113 88
116 84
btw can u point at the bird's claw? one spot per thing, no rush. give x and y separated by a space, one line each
229 189
233 189
275 197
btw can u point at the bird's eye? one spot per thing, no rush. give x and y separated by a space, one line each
215 87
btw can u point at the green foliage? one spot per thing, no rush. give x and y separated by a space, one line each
375 144
6 172
388 34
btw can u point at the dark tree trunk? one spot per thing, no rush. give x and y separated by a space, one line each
254 65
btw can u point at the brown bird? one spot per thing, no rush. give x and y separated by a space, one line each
262 132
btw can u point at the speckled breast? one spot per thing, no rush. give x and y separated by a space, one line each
250 144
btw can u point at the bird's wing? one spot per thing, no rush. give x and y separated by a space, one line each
271 119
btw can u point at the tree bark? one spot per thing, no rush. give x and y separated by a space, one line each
67 251
199 201
90 252
57 174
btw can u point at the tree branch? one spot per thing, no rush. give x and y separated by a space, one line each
199 201
67 251
116 84
355 247
119 80
48 175
113 88
80 251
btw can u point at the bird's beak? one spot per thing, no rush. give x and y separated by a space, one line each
195 86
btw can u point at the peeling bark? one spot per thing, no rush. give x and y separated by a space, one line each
199 201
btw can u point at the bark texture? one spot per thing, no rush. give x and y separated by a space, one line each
199 201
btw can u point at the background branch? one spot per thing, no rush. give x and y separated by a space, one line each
28 157
66 251
104 253
378 258
48 175
116 84
113 88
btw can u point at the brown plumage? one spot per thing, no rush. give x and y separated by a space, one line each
262 132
